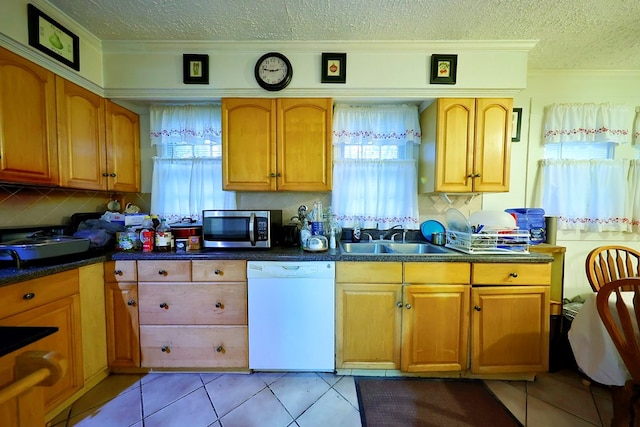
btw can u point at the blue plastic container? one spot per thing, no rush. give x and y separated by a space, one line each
531 219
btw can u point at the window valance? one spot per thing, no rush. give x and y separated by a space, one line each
587 123
194 124
376 124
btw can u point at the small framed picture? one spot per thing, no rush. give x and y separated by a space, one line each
195 69
334 68
48 36
443 69
516 124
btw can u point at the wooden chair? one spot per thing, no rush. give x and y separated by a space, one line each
605 264
626 399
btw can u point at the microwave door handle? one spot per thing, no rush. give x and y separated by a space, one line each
252 229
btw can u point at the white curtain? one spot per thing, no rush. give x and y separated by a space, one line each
587 123
187 173
633 198
375 166
586 195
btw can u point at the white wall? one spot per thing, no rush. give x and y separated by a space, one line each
545 88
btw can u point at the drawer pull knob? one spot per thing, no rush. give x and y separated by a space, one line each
399 305
408 306
118 272
28 296
163 272
220 305
220 349
219 272
164 305
166 349
513 275
477 308
131 302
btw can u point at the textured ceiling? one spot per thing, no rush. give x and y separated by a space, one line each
572 34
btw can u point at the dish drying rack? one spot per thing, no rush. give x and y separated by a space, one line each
500 241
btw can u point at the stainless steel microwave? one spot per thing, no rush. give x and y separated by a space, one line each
239 229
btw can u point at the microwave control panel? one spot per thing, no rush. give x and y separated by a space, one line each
262 229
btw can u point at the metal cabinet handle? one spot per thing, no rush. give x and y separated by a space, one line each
272 175
166 349
513 275
220 349
477 175
105 174
219 272
399 305
408 306
477 308
131 302
112 175
118 273
164 305
163 272
29 296
219 305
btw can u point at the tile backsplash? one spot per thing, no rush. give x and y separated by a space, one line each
25 206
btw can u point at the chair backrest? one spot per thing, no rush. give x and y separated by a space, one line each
624 334
605 264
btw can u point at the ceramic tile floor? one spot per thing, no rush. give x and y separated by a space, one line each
303 400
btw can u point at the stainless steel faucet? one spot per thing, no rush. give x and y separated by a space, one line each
388 235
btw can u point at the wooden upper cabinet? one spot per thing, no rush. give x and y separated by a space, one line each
123 149
27 122
466 145
304 144
81 137
248 144
276 145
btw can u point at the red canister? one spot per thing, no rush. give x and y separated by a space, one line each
146 237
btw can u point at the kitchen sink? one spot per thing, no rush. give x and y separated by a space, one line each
394 248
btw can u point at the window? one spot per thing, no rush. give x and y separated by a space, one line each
187 169
581 181
375 165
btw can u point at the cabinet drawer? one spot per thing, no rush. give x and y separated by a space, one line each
368 272
164 271
511 274
219 271
437 272
193 304
120 271
194 346
24 296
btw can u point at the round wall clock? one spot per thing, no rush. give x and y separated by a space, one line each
273 71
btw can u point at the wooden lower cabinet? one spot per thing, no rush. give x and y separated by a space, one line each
195 346
193 314
510 329
94 328
121 302
510 318
48 301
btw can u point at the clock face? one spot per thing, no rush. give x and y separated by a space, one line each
273 71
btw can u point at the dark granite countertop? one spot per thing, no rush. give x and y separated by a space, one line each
10 274
13 338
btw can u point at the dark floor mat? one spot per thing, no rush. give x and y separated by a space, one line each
406 402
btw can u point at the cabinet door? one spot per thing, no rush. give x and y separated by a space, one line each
123 343
435 328
81 137
510 329
304 153
123 149
249 144
368 325
492 150
455 124
65 315
27 122
94 329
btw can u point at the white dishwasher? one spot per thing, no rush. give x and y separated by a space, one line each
291 309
